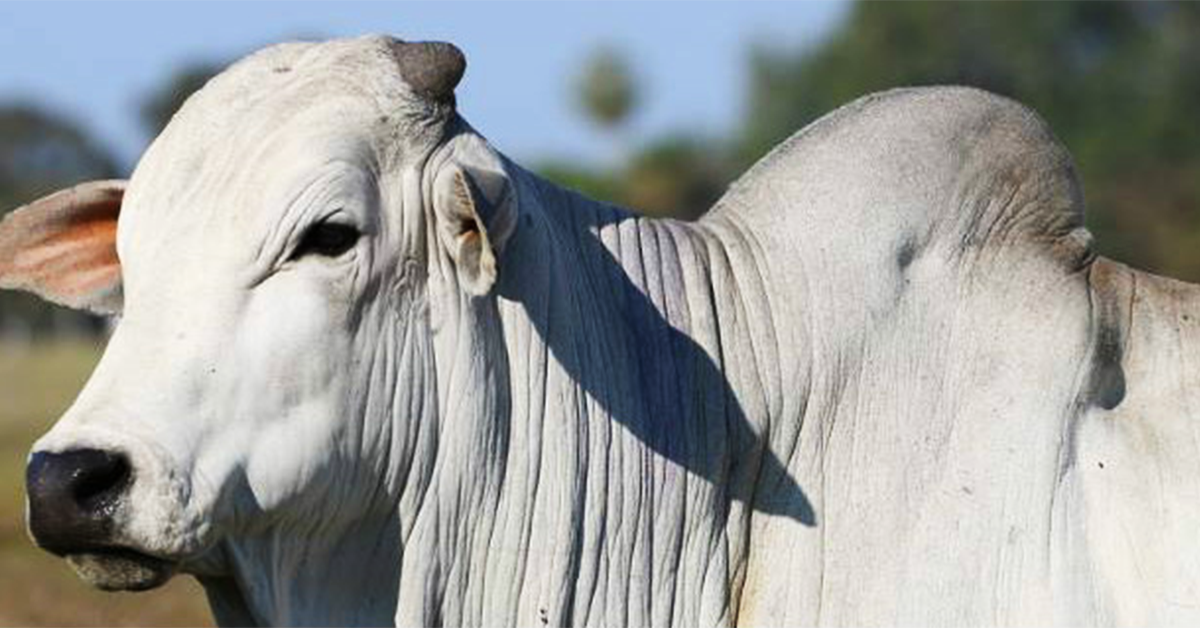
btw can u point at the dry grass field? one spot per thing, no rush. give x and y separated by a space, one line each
36 589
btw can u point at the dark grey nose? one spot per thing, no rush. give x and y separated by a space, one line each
72 497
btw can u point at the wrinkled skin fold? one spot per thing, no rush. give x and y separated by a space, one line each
884 381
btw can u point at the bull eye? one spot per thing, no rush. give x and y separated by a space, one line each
327 239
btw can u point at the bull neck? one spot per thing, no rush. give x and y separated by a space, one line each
639 391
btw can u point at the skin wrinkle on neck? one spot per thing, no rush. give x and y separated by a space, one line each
620 297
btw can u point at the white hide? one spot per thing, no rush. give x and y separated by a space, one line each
885 381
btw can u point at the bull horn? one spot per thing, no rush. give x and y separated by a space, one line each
431 68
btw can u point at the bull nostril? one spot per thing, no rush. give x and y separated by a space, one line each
105 478
73 495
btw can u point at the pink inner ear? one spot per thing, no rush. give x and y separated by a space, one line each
79 259
63 247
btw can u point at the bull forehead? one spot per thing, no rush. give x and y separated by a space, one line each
258 149
365 66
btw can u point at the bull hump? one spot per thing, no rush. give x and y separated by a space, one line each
960 165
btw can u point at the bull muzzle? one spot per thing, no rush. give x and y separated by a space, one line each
73 500
72 497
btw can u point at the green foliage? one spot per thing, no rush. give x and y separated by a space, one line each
676 176
591 182
679 176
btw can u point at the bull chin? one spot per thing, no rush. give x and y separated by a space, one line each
121 569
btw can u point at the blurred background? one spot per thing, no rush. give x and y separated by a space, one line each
654 106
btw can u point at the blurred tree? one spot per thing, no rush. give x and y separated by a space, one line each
595 183
160 105
607 91
607 94
679 176
40 153
1117 81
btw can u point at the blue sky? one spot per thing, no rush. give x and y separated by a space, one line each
94 61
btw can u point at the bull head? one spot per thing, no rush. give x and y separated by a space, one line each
273 300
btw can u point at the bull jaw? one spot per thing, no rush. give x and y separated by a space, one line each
121 570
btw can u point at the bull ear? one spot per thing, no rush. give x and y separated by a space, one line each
476 207
63 247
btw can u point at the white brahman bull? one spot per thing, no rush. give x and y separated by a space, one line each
370 371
